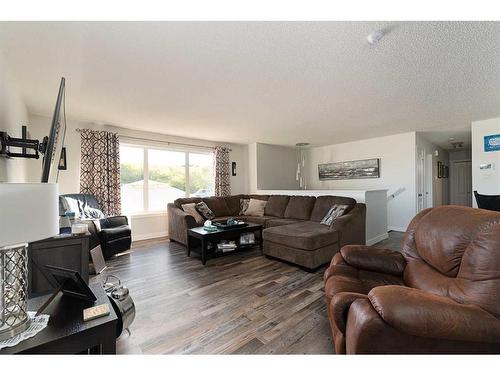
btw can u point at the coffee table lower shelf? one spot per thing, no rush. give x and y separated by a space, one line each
199 240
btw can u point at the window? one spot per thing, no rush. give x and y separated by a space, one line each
152 177
132 178
201 175
167 178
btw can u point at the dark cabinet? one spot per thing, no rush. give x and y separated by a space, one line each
71 252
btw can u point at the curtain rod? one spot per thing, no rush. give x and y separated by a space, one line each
164 142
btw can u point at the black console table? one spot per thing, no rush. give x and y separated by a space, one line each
66 332
67 251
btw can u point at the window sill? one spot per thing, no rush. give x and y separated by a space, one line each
147 214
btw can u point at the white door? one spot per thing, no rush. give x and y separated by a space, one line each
429 182
420 179
461 183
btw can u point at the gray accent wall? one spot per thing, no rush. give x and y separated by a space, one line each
276 167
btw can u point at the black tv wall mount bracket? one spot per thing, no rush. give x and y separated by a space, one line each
6 142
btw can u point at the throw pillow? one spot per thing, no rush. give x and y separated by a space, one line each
204 211
333 213
255 207
191 210
243 206
93 213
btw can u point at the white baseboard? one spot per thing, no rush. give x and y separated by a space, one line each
397 229
148 236
374 240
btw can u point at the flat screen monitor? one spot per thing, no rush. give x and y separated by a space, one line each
54 142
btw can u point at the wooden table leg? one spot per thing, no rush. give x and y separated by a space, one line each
189 245
203 251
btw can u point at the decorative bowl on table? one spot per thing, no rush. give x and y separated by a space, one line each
230 224
209 226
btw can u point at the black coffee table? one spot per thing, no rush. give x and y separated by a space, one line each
199 236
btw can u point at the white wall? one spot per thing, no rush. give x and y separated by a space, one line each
13 115
276 167
485 181
239 183
397 172
147 225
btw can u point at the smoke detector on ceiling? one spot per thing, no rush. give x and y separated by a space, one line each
374 37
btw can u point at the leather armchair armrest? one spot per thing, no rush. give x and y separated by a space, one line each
374 259
423 314
337 259
339 307
114 221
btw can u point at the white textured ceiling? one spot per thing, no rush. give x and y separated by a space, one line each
272 82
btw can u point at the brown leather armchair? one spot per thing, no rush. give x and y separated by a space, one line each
441 294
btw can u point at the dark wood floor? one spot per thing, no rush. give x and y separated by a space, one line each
241 303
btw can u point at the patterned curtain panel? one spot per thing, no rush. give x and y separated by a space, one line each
222 177
100 169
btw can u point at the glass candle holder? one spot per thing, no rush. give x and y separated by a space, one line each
14 317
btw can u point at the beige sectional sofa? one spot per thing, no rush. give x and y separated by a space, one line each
292 229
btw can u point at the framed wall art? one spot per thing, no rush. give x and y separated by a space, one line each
347 170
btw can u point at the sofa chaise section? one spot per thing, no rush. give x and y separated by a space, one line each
310 244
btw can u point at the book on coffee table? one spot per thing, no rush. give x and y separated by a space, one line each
226 246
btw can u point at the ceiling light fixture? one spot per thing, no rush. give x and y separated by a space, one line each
301 165
457 145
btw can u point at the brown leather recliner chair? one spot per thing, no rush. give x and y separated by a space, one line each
441 294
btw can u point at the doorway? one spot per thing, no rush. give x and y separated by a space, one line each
429 181
421 185
461 183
